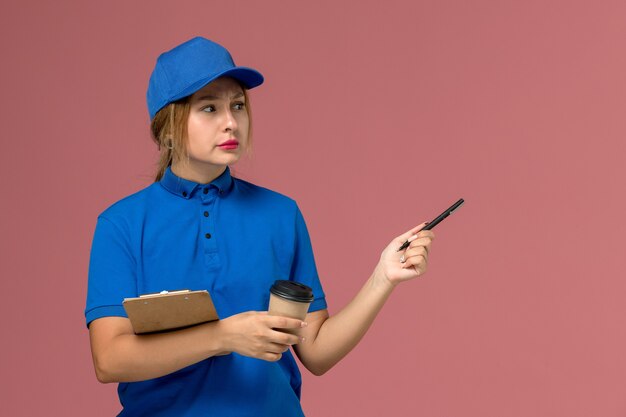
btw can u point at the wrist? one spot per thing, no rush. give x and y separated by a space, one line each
380 280
217 338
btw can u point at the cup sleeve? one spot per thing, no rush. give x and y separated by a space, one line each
303 268
112 275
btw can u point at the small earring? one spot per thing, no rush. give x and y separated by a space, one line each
169 143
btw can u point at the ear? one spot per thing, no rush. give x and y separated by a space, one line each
168 141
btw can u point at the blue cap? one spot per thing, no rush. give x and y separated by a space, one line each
190 66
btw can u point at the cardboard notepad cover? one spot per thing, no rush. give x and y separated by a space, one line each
169 310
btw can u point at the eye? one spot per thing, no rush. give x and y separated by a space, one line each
239 106
209 109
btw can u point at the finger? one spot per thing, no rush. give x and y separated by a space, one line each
419 271
419 268
284 338
415 260
405 236
271 357
281 322
424 234
421 242
277 348
418 251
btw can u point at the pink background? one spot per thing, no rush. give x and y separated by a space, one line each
374 116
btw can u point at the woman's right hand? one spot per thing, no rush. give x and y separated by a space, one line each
252 334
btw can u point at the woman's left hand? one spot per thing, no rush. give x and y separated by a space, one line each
395 267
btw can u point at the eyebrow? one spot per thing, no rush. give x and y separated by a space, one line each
210 97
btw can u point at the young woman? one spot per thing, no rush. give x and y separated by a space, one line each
197 227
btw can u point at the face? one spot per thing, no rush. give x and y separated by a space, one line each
217 114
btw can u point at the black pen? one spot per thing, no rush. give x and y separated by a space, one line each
437 220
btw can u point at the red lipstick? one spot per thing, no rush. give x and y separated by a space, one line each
229 144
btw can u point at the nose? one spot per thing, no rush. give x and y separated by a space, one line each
230 123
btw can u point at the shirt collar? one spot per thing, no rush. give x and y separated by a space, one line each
185 188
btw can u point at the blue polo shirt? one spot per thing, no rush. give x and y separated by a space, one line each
229 237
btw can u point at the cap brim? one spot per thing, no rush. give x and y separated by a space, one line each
249 77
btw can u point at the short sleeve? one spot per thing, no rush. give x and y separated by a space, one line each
303 267
112 272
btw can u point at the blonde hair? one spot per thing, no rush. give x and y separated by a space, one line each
168 129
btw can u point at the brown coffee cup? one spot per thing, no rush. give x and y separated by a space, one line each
290 299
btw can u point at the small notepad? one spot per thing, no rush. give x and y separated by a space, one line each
169 310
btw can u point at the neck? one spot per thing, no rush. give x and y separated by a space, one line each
201 174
